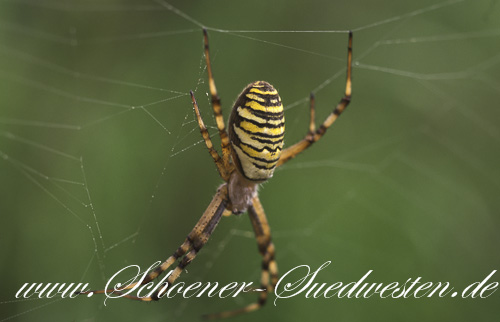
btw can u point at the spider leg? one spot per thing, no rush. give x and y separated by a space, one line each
219 119
312 116
196 239
269 276
219 162
314 135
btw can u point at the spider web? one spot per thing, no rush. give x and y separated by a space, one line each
102 164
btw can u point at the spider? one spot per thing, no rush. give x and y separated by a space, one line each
250 153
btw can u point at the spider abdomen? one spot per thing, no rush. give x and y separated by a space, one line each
256 131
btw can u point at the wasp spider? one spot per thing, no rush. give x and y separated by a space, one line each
250 153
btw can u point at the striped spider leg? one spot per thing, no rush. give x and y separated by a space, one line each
196 239
269 275
314 135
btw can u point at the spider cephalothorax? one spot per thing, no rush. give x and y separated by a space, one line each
250 153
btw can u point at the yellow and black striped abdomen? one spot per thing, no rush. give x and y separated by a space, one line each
256 130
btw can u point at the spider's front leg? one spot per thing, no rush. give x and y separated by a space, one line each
224 171
223 163
314 135
216 105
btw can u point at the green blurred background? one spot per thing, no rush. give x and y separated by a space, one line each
101 165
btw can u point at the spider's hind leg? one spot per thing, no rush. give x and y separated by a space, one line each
187 252
269 275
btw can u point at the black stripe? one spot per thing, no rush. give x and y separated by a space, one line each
197 246
178 253
321 130
264 141
266 97
155 295
264 115
184 262
260 125
265 104
261 150
260 159
262 167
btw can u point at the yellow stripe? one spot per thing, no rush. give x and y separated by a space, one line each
275 122
246 114
175 274
256 106
256 129
264 279
273 267
258 91
255 97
